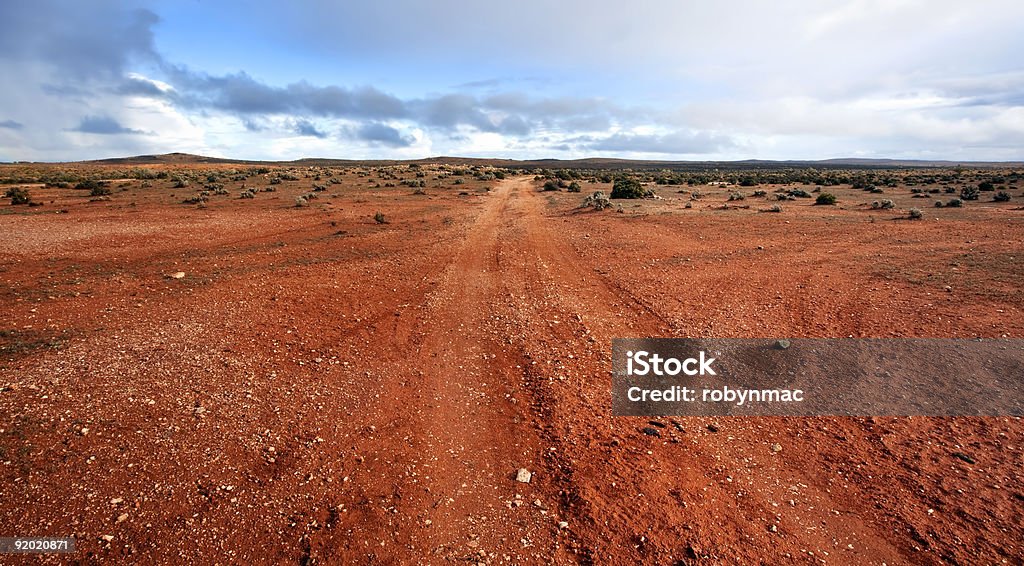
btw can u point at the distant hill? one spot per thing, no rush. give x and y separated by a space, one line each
586 163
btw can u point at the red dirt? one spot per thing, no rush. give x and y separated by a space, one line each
320 388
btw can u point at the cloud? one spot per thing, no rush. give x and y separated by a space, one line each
382 134
794 80
675 143
103 125
306 128
81 41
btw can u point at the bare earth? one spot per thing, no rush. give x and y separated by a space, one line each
321 388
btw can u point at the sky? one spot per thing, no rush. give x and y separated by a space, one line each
397 79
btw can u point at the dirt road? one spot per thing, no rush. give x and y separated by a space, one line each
322 389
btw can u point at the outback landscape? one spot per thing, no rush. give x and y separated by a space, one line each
325 362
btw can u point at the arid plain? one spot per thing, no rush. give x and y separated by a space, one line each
357 375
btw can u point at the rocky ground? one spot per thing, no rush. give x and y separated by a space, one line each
255 382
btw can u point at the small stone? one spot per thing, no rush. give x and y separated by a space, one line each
84 431
782 344
563 525
122 517
650 431
116 501
712 428
177 275
776 447
523 475
773 529
963 457
107 538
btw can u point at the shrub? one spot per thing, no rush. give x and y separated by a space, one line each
247 193
626 187
99 190
970 193
419 191
950 190
986 186
18 195
775 208
87 185
799 193
736 196
379 218
955 203
301 201
760 193
825 199
180 183
597 201
885 204
938 204
574 187
551 185
1001 196
915 214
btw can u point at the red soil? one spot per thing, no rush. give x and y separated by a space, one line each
320 388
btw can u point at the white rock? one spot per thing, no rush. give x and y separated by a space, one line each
523 475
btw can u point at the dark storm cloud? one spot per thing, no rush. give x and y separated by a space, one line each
80 40
239 93
103 125
11 124
381 134
306 128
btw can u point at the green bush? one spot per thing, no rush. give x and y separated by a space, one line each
574 187
1001 196
626 187
825 199
18 195
970 193
551 185
99 190
379 218
87 185
955 203
915 214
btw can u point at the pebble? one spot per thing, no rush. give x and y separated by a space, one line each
782 344
776 447
523 475
177 275
650 431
